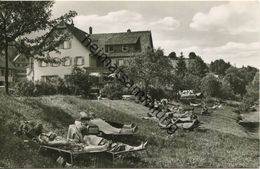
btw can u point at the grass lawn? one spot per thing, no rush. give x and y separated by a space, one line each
223 144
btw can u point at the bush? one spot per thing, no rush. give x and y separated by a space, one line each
79 81
192 82
210 86
25 88
157 93
29 88
226 91
211 100
45 88
252 94
113 91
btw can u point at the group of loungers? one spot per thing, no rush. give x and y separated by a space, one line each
85 135
179 118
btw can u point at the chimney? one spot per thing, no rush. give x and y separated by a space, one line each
90 30
128 30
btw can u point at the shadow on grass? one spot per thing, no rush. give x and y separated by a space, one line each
52 114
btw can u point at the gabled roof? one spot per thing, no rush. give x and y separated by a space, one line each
2 63
122 39
102 39
16 57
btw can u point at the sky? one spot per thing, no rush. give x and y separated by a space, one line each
226 30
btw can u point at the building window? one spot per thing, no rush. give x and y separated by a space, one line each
126 61
43 64
2 72
120 62
79 61
125 48
67 44
66 77
55 64
66 61
110 49
51 78
61 46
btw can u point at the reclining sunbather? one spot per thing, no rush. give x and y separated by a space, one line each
185 120
79 133
51 139
104 126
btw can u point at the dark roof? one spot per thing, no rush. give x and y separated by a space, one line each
2 63
102 39
123 39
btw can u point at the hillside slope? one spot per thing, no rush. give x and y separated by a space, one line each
209 148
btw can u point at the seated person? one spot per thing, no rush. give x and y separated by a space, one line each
105 127
79 134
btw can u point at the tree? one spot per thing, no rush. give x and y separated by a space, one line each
197 66
192 82
210 85
172 55
113 90
226 91
147 69
252 92
80 80
21 18
219 67
192 55
238 84
181 66
247 73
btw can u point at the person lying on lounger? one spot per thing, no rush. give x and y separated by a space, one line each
51 139
79 133
104 126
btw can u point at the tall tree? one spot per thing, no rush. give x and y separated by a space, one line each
172 55
192 55
236 80
147 69
197 66
219 67
21 18
80 80
210 85
191 81
181 66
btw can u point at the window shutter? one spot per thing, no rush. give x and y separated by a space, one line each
69 44
75 61
70 59
63 61
82 61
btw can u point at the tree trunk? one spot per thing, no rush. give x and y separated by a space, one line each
6 61
146 88
6 69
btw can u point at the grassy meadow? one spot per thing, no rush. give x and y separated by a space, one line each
222 142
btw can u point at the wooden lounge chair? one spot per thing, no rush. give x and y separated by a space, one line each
74 154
